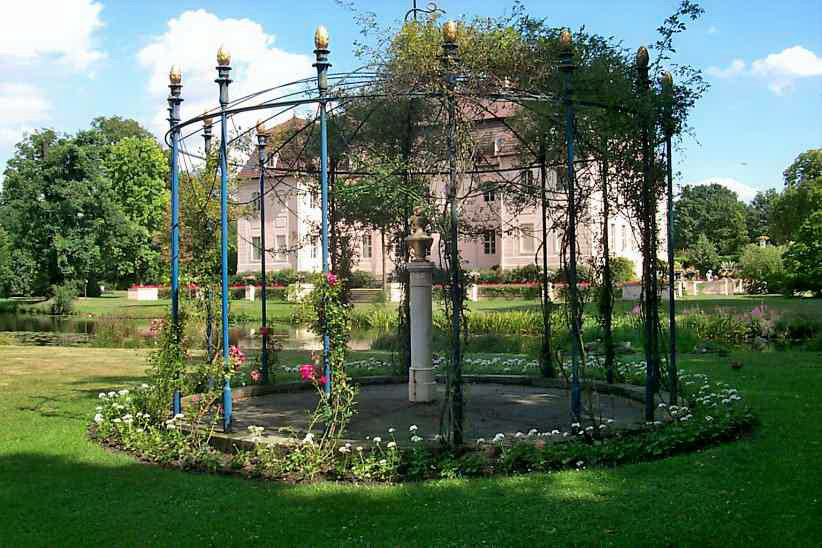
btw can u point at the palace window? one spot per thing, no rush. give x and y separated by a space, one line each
489 242
526 177
256 249
526 239
281 247
366 246
255 201
489 194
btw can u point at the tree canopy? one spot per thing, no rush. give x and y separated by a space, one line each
713 211
84 208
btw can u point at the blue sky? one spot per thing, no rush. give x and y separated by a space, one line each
63 62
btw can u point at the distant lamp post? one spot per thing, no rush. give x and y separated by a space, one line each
262 140
321 41
207 133
175 85
223 80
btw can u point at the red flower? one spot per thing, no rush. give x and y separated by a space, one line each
265 331
256 376
332 279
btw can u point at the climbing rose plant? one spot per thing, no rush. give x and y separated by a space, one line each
332 317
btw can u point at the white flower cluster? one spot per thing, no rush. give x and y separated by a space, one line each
174 422
256 431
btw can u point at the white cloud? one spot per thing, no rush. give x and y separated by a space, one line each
746 193
712 30
22 106
781 69
191 42
35 29
736 67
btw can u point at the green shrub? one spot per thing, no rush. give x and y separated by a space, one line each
488 276
62 301
703 255
363 279
523 274
510 291
622 270
762 268
797 326
584 274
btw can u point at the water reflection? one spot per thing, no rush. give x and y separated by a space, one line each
295 338
245 336
41 323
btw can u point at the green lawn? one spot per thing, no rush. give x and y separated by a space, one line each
59 489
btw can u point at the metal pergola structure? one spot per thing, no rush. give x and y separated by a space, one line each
314 92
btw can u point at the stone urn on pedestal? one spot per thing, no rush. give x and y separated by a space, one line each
421 375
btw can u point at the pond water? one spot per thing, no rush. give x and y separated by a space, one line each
42 323
290 336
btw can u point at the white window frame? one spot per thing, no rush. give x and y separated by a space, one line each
527 235
367 246
282 244
489 242
256 251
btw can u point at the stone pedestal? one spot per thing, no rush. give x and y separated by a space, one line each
473 293
421 375
250 292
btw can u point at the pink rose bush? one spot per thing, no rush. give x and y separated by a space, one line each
237 357
313 373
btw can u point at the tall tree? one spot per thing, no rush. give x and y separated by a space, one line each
712 210
801 197
759 214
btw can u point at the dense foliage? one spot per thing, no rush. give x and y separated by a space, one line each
803 258
712 211
83 208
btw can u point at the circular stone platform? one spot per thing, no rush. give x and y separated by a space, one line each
489 408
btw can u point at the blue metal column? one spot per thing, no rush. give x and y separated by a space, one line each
262 138
322 64
174 100
567 66
223 68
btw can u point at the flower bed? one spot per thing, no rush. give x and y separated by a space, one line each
710 412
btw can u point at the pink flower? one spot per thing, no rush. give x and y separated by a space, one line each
637 310
256 376
322 380
332 279
759 311
307 371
